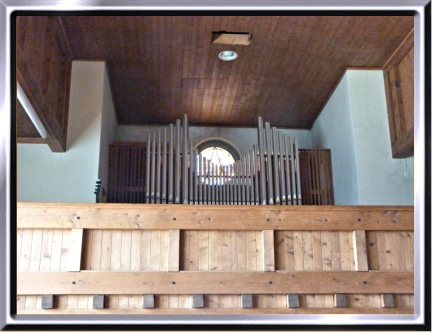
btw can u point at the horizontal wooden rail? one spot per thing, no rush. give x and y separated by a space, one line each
106 282
224 311
195 217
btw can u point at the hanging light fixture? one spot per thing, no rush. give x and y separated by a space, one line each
228 55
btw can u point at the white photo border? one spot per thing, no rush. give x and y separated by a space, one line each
7 7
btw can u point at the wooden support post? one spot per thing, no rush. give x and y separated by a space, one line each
47 301
387 300
360 251
246 301
173 250
98 301
197 301
268 250
75 249
293 301
148 301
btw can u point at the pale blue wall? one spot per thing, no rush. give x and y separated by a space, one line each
382 179
333 130
354 125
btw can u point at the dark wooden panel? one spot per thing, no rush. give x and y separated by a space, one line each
43 71
126 180
24 126
161 67
399 84
316 177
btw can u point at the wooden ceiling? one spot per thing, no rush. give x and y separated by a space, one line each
162 67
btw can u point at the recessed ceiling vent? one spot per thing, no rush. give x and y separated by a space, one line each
231 38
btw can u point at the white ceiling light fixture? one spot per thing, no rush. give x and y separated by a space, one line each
228 55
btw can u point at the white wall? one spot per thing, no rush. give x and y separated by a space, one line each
333 130
242 138
108 130
354 125
381 178
44 176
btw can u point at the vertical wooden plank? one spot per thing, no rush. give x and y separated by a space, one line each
19 246
232 251
203 250
36 248
326 251
336 254
399 251
308 264
145 250
213 254
298 251
390 250
116 250
289 251
64 260
174 250
184 264
164 244
251 251
136 250
317 251
360 250
352 259
372 250
222 251
86 248
46 250
268 249
408 239
56 248
75 249
381 246
318 264
279 250
308 261
184 251
242 250
194 250
345 250
96 249
259 251
125 261
106 250
155 251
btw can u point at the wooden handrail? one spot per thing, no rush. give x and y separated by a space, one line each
197 217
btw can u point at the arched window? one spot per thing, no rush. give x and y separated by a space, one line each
218 156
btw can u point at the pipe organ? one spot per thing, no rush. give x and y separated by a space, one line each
176 173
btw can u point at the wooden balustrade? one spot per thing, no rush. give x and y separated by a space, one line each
124 251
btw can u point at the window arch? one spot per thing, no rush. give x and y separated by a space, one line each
216 142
